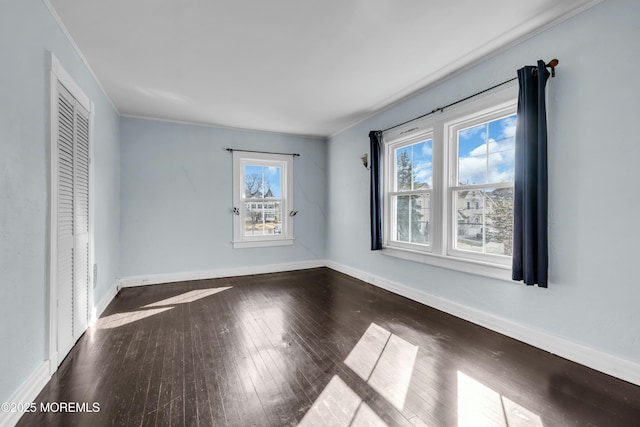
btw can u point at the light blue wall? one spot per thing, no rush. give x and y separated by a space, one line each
593 158
176 198
27 32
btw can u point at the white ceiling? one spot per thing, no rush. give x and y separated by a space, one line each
292 66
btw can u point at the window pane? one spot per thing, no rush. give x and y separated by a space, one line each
262 181
486 152
413 217
499 234
263 217
485 220
472 155
414 166
502 136
470 220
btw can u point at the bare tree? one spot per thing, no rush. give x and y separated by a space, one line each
252 185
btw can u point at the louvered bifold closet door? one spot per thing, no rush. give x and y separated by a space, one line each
73 274
81 223
66 218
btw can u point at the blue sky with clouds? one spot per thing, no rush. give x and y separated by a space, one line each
486 152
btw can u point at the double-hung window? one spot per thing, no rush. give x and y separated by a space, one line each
410 191
482 154
262 199
448 187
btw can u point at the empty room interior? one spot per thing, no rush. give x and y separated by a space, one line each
367 213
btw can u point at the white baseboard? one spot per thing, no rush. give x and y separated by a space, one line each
105 301
155 279
587 356
26 393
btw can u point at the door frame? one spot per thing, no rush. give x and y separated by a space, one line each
59 74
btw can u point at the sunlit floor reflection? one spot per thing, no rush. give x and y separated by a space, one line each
381 359
121 319
385 361
479 406
365 354
339 405
392 375
187 297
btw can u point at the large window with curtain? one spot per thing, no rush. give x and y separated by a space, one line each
448 187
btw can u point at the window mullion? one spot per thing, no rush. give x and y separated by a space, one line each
484 219
410 193
482 186
440 182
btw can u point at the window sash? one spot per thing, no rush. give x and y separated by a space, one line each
468 121
452 248
393 237
391 193
452 129
262 208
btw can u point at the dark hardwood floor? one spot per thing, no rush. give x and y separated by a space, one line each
314 347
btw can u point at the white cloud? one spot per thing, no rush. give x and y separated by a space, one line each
474 169
472 131
426 150
508 128
423 172
481 150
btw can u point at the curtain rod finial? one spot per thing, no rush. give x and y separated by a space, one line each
553 64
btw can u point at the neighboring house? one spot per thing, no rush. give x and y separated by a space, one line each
477 209
265 210
469 212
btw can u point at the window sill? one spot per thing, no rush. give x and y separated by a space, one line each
261 243
495 271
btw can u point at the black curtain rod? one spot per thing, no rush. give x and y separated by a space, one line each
231 150
551 64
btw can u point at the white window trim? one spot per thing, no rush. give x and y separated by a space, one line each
389 165
439 127
285 162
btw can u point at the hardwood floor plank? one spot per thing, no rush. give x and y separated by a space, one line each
278 349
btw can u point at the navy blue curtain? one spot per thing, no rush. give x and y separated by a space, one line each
530 256
375 138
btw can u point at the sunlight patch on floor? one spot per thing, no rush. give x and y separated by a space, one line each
188 297
121 319
479 406
385 361
339 405
367 351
